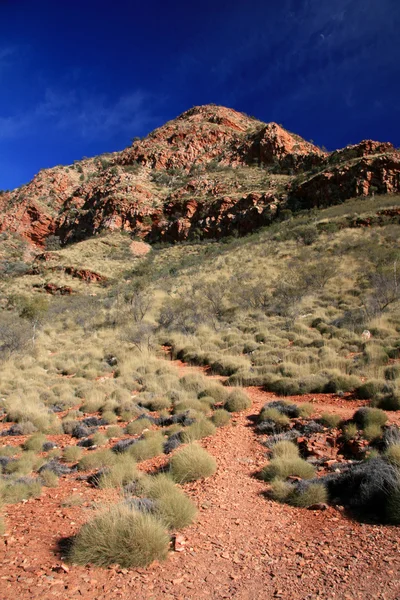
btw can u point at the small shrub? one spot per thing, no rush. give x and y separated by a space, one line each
217 392
138 426
393 454
2 527
109 417
99 439
191 463
49 479
114 432
35 442
280 490
350 431
150 446
72 454
314 493
13 492
123 472
389 402
369 416
372 431
306 410
120 536
285 467
221 417
330 420
237 401
371 389
274 415
285 449
172 506
97 460
392 372
198 430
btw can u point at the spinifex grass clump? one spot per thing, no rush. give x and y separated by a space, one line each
148 447
237 401
285 449
369 416
120 536
198 430
272 420
172 506
191 463
282 468
330 420
302 496
221 417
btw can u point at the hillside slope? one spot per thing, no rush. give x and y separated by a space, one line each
208 173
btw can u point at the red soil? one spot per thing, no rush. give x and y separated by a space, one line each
242 546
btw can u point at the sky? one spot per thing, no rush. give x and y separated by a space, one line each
80 78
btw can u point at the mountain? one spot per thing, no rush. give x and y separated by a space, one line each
210 172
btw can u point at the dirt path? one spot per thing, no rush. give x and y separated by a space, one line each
242 546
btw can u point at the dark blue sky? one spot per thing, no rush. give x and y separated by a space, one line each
83 77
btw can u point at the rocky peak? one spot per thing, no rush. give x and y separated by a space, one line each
209 172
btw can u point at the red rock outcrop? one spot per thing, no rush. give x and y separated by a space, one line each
372 174
196 177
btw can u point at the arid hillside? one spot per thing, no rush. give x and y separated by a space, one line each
209 173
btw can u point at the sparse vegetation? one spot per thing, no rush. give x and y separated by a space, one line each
120 536
191 463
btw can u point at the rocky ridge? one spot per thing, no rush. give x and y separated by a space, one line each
208 173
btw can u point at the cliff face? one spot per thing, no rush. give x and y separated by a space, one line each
208 173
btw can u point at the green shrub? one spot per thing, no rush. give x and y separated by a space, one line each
99 439
191 463
330 420
35 442
273 414
350 431
173 507
314 493
124 471
114 432
280 490
198 430
191 404
341 383
13 492
389 402
372 431
2 526
72 454
120 536
285 449
371 389
283 468
97 460
138 426
370 416
221 417
392 372
109 417
237 401
150 446
305 409
48 478
393 454
216 391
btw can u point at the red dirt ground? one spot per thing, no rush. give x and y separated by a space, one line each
242 546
